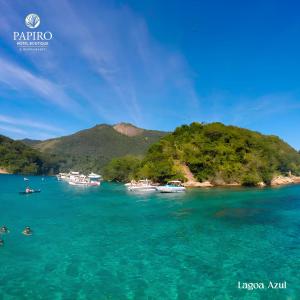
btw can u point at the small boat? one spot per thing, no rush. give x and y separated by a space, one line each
62 176
82 180
74 173
30 192
26 179
174 186
94 183
132 182
78 183
94 176
141 186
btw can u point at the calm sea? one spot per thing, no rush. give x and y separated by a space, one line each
105 243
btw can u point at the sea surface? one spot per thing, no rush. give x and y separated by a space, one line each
106 243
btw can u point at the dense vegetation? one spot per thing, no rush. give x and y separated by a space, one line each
215 152
122 169
16 157
91 149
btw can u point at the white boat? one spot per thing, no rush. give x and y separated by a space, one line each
141 186
94 183
174 186
82 180
64 176
74 173
78 183
94 176
85 183
132 182
75 178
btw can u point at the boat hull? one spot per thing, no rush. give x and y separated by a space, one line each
84 183
171 189
142 189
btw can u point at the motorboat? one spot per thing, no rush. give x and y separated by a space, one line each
82 180
75 178
85 183
141 186
174 186
78 183
74 173
94 183
132 182
94 176
62 176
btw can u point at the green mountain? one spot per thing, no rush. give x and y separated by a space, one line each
30 142
16 157
214 152
93 148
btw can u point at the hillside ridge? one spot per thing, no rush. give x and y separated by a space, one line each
91 149
215 154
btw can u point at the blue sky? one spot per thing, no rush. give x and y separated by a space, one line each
156 64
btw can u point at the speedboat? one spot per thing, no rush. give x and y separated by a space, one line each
79 180
85 183
132 182
82 180
78 183
94 176
62 176
141 186
174 186
94 183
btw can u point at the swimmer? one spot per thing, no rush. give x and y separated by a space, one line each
28 190
1 243
27 231
4 229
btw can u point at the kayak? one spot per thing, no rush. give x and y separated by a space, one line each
31 192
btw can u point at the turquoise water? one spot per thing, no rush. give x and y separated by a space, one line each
104 243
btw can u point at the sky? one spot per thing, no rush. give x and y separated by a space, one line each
155 64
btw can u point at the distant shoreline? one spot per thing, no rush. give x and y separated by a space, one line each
190 184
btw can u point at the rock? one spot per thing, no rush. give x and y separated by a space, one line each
283 180
197 184
3 171
128 129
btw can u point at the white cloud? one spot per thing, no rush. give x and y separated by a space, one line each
29 123
23 80
12 129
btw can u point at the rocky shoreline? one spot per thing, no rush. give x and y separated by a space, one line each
284 180
3 171
192 182
276 181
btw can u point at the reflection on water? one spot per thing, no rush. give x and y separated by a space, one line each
184 212
240 212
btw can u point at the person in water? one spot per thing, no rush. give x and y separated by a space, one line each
27 231
1 242
28 190
4 229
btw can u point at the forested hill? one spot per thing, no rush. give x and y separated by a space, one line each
92 149
16 157
217 153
